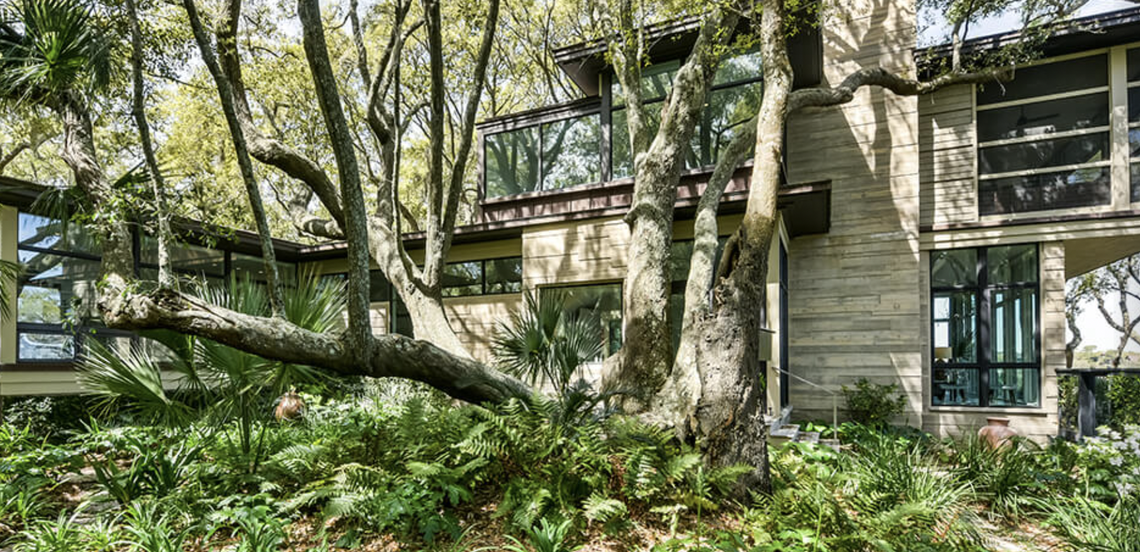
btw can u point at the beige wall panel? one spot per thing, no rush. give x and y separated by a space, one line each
947 155
50 382
854 292
475 319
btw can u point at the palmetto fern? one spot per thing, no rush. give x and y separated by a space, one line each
50 47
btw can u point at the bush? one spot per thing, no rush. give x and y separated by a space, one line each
873 404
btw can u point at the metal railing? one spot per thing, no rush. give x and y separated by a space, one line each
1087 420
834 396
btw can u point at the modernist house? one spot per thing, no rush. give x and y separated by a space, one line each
923 240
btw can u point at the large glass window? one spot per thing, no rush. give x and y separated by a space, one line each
550 156
733 99
510 162
600 300
984 323
1134 120
1044 139
56 291
570 152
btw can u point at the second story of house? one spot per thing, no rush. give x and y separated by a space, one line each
1058 143
1061 141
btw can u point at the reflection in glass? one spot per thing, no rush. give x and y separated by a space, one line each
52 286
741 67
1039 154
461 279
1134 65
511 162
955 316
248 266
186 257
401 319
955 386
1014 387
621 163
955 267
1013 325
602 300
1042 192
571 153
1135 182
48 233
1012 264
725 111
504 275
1044 118
45 346
1134 104
656 81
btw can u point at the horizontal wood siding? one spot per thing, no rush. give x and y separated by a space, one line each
947 152
854 292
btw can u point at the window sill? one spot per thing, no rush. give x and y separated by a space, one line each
990 410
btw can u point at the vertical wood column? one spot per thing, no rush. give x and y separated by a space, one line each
1118 99
9 240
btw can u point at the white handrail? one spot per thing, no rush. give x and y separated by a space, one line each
834 396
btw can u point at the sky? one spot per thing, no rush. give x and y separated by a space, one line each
934 33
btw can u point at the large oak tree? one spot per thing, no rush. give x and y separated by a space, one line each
708 391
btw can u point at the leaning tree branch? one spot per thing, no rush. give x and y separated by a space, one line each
392 355
878 76
226 97
263 148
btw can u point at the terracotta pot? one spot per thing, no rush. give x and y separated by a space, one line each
997 432
289 407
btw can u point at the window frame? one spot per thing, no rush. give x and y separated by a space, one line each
558 114
95 329
983 291
979 145
610 84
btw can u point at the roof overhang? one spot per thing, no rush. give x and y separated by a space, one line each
585 62
1076 35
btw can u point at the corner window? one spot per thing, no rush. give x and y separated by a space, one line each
56 293
1044 140
985 329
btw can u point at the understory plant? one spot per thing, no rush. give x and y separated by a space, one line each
218 387
874 404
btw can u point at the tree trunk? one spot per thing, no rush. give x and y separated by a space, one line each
729 417
646 357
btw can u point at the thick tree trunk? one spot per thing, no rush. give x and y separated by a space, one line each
725 342
646 357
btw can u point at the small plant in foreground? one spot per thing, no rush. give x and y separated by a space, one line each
873 404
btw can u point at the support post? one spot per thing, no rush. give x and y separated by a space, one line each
1086 409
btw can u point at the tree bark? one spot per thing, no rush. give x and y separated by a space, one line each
245 166
646 356
352 194
158 184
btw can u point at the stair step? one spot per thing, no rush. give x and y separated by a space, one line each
808 437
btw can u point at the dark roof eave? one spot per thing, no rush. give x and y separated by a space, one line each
1084 33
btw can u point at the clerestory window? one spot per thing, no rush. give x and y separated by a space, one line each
1044 139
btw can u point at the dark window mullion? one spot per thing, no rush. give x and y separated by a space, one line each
982 350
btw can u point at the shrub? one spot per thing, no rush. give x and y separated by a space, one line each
873 404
